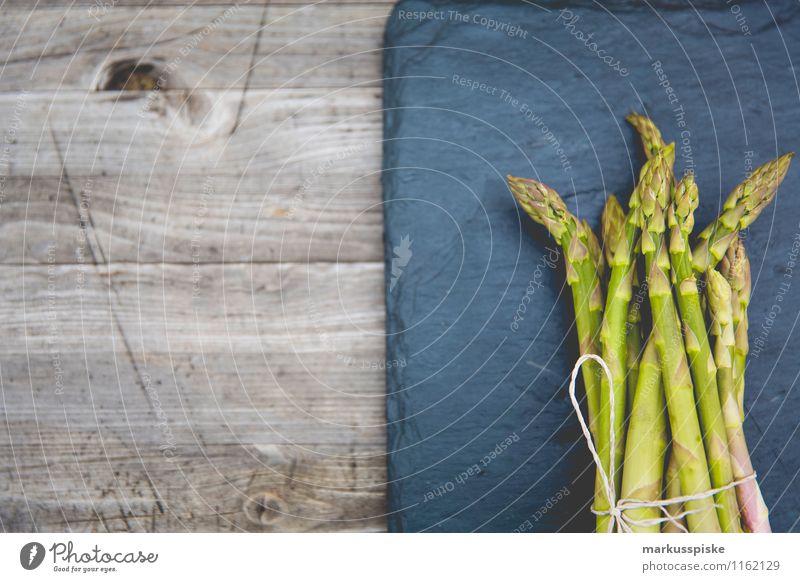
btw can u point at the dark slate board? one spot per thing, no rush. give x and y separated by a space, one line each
464 381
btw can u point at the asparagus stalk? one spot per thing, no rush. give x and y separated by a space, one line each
698 350
612 228
651 143
633 340
742 207
672 490
686 434
648 132
646 443
612 224
735 266
623 232
595 252
755 515
546 207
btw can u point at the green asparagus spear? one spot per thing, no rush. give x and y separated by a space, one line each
546 207
735 266
612 225
698 350
755 515
742 207
613 333
595 252
648 132
646 443
633 340
651 143
671 491
686 435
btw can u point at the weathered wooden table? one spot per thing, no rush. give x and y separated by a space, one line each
192 279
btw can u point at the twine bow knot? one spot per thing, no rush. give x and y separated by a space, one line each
617 507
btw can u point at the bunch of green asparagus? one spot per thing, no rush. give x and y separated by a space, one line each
677 360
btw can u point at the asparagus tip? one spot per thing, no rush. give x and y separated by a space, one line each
541 203
648 132
612 226
719 297
755 193
685 201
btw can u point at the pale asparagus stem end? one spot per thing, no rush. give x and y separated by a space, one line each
754 512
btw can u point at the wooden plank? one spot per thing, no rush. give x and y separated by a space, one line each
194 47
279 136
213 489
263 339
225 218
338 46
251 324
105 5
87 49
298 180
183 397
191 397
39 222
190 219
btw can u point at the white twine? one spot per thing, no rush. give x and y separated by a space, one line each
619 520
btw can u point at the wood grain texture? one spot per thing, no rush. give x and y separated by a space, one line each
205 489
298 179
193 47
190 219
99 4
191 268
158 398
285 135
39 222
